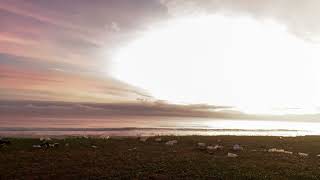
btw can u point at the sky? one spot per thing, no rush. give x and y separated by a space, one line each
60 50
257 57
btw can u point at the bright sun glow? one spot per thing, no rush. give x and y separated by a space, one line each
255 66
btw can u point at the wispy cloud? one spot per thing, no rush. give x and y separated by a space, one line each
56 50
59 85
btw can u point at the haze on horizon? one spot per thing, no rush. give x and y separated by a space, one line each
258 57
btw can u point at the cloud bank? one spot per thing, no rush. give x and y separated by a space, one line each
300 17
61 50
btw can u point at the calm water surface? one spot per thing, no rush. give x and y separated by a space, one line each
140 126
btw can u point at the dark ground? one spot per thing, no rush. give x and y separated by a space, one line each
129 158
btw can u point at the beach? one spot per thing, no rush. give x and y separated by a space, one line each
261 157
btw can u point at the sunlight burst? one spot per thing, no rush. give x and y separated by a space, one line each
258 67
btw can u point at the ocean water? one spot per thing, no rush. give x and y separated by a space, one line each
151 126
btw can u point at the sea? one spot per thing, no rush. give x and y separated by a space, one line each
152 126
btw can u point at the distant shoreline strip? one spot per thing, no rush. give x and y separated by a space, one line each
143 129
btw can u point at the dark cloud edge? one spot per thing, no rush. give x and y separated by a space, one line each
58 109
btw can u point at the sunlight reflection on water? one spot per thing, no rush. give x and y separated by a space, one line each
134 126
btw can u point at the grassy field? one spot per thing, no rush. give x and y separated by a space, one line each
129 158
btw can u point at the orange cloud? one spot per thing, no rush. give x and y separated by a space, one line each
63 86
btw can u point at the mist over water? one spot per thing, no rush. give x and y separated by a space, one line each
142 126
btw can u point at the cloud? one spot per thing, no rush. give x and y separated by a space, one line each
52 109
113 27
69 46
300 17
67 109
27 9
40 84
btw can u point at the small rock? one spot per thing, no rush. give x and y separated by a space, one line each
94 147
210 148
232 155
36 146
214 148
201 145
104 137
318 155
279 151
45 139
218 147
288 152
303 154
54 145
172 142
158 139
132 149
143 139
276 150
237 147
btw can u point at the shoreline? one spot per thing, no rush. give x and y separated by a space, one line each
104 136
95 136
136 132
